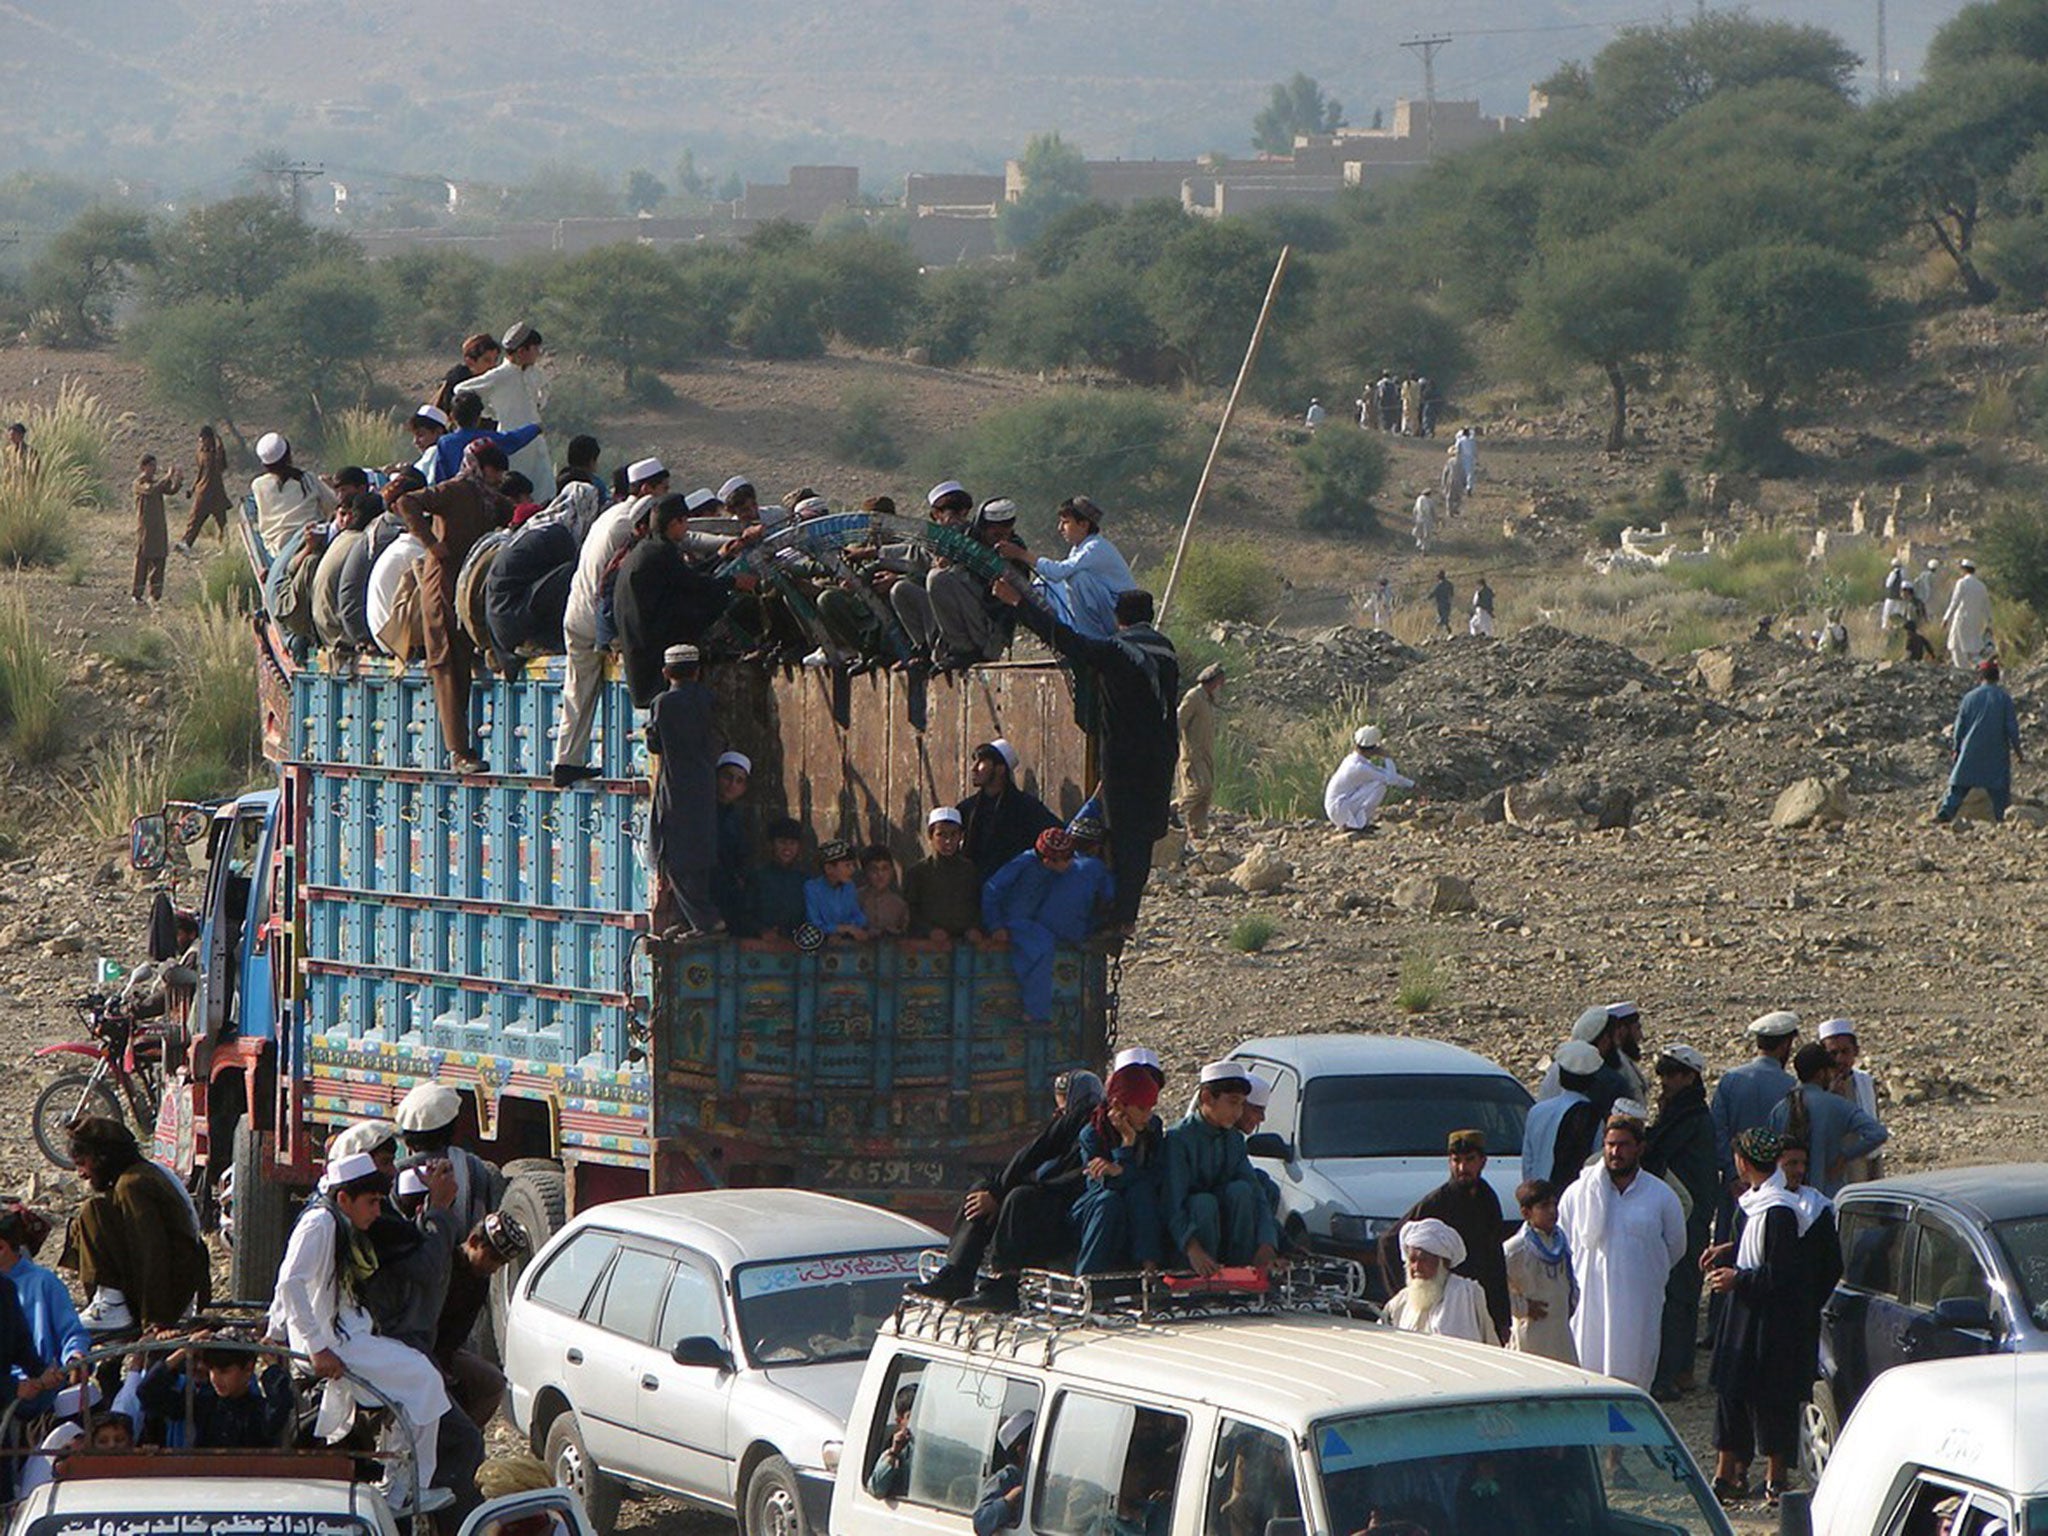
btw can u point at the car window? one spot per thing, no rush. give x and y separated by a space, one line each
1251 1481
2026 1249
1283 1110
953 1415
694 1308
633 1293
565 1281
1410 1114
1109 1468
1944 1268
1874 1248
1934 1507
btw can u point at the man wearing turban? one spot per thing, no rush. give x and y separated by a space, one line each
1435 1300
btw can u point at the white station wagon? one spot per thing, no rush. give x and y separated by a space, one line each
707 1346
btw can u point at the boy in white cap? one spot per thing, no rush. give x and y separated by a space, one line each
735 841
944 890
514 392
1001 1504
426 1119
319 1312
1216 1213
648 480
1352 797
682 830
287 498
1435 1300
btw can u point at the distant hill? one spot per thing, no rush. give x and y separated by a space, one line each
180 91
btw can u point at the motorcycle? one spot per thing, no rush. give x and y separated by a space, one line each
124 1080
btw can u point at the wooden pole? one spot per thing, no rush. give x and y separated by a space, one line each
1251 354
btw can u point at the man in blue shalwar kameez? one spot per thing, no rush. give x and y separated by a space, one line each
1987 739
1040 899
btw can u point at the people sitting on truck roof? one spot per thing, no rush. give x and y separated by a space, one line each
1216 1214
1017 1218
609 535
579 466
1000 819
1039 900
358 568
971 627
135 1241
682 750
776 889
509 392
943 890
287 497
832 897
391 601
329 616
663 597
528 585
1117 1219
239 1400
1085 585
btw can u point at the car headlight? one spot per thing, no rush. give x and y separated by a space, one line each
1361 1230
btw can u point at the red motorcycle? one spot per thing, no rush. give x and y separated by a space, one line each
123 1082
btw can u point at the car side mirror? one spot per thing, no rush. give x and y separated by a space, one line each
1965 1314
149 843
1269 1144
702 1350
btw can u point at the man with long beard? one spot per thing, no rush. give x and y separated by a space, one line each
1435 1300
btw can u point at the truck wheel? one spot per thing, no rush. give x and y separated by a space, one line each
262 1218
569 1464
67 1098
537 1197
775 1505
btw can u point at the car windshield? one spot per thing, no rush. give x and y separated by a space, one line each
174 1523
2037 1517
1523 1467
1409 1114
2026 1249
829 1307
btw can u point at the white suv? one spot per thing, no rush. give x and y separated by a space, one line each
707 1346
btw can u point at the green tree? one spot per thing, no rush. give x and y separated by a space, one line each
1987 31
625 305
196 359
644 191
237 249
1358 324
1204 292
1345 470
2014 542
871 287
1650 76
787 313
1769 321
1055 178
953 313
1124 448
321 322
435 296
559 190
87 268
1091 314
1610 303
1062 240
1298 107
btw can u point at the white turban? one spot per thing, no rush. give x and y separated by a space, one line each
1433 1236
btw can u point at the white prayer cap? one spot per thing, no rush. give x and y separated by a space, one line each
1577 1058
1429 1235
1590 1025
1261 1093
942 490
428 1107
433 414
1002 749
1015 1428
411 1182
702 500
945 815
733 487
642 470
738 760
999 509
1623 1011
1932 563
1138 1056
1685 1056
1366 737
271 447
521 333
1628 1109
1227 1074
1968 565
73 1401
1834 1027
680 656
346 1170
811 506
363 1136
1775 1026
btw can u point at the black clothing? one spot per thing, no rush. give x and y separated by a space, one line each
404 1295
1820 1258
1576 1134
729 877
1755 1369
1441 594
1473 1212
352 586
528 587
1681 1145
256 1420
658 600
468 1294
683 739
998 828
1033 1193
1137 678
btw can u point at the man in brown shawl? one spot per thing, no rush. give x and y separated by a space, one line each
134 1242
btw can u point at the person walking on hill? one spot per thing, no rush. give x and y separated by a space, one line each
1424 527
1316 415
1198 749
1389 389
1443 594
209 489
1451 479
1411 406
1968 618
1482 622
1986 740
1379 605
1467 444
152 531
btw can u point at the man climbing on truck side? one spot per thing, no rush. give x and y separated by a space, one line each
426 1119
682 832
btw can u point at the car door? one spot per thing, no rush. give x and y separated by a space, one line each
1951 1298
682 1408
1865 1319
618 1349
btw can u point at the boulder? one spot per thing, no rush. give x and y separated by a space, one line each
1262 872
1811 802
1539 803
1716 671
1166 853
1435 893
1617 809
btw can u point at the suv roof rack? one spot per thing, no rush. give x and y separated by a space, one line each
1053 1305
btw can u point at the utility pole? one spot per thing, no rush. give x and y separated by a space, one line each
298 173
1884 79
1426 48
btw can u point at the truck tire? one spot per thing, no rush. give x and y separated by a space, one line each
569 1464
262 1219
537 1197
774 1503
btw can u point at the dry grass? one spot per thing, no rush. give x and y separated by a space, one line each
130 778
362 437
31 684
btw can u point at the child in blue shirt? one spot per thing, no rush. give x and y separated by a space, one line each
832 900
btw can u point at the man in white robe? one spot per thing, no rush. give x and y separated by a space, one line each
583 663
513 393
1424 527
1467 444
1352 797
1625 1231
1968 618
317 1313
1435 1300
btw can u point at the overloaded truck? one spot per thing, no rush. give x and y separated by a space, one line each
373 920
